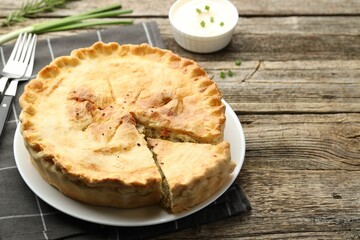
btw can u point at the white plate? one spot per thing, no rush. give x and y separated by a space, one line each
123 217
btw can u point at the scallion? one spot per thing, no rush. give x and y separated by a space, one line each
71 22
79 25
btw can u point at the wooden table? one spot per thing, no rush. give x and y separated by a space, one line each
297 95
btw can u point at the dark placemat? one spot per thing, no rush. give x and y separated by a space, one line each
24 216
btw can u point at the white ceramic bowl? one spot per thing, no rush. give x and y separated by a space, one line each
189 33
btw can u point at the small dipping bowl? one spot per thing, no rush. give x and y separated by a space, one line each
203 26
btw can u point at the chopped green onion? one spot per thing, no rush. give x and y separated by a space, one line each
202 23
198 10
222 24
230 73
207 8
211 19
238 62
222 74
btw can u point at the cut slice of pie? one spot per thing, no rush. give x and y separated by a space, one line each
191 172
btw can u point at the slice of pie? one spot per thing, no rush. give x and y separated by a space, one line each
85 117
191 172
107 164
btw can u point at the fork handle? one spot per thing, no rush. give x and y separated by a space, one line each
3 81
4 112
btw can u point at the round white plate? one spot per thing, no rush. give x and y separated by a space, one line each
123 217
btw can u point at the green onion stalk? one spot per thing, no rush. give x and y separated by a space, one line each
72 22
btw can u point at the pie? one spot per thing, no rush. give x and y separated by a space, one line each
192 172
98 124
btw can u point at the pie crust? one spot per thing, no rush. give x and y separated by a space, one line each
86 117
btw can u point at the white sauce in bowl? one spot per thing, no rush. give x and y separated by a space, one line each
204 18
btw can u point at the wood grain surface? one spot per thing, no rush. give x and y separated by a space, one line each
297 95
160 8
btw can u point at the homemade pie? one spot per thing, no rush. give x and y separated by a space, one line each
127 126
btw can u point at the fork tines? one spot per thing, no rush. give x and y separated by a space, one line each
24 41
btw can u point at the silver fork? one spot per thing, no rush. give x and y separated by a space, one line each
10 93
18 60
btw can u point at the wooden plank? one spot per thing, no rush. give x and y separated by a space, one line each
297 7
291 204
295 107
281 47
304 198
245 7
271 39
300 25
302 142
290 86
198 233
288 38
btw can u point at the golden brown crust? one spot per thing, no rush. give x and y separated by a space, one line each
79 115
110 196
193 172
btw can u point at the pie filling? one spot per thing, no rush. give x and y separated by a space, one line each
164 133
165 190
86 118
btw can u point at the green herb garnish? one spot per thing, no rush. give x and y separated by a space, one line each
202 23
238 62
222 74
230 73
211 19
207 8
198 10
30 9
222 24
71 22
